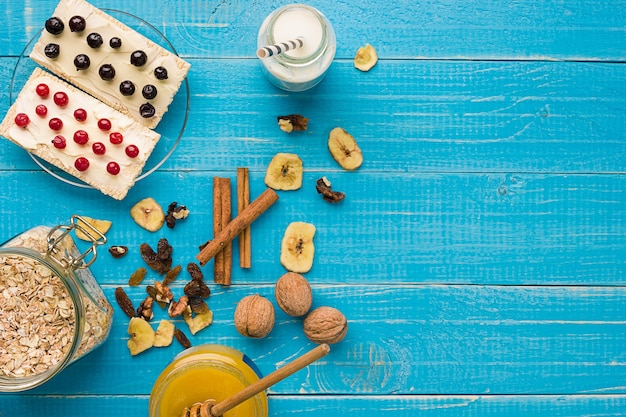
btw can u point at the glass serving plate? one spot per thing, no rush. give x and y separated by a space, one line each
171 126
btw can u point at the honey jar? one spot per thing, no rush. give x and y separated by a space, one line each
203 372
52 310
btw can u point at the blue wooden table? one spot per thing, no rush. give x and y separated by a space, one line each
479 255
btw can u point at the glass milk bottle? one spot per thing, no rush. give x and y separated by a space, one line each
303 67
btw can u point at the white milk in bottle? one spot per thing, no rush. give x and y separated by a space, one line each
298 68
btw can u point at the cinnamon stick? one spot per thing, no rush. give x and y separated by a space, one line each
243 200
223 263
234 227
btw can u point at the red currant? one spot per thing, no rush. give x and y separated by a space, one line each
41 110
104 124
98 148
59 142
22 120
116 138
132 151
113 168
81 163
42 90
55 124
80 115
61 99
81 137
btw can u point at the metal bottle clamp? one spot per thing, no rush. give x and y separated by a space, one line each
69 261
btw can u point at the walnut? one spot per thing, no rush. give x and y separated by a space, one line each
292 122
254 316
325 325
323 187
177 308
293 294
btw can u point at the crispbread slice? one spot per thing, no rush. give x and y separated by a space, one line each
72 44
37 136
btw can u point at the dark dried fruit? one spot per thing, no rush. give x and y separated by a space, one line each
164 250
177 308
292 122
174 213
54 25
118 251
137 277
182 339
145 309
197 288
151 290
323 187
147 110
124 302
171 275
195 272
198 305
52 50
160 262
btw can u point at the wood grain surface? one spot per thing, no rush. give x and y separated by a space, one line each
479 255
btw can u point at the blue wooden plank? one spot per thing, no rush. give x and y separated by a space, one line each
402 339
528 30
388 406
507 117
478 229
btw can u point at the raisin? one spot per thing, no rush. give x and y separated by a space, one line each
172 274
124 302
137 277
154 260
182 339
195 288
198 305
164 250
195 272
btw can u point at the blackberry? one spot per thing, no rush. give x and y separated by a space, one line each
106 72
77 24
54 25
94 40
149 91
138 58
81 62
127 88
52 50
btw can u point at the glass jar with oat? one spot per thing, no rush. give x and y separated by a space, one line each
52 310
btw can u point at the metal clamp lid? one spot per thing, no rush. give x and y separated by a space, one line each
71 261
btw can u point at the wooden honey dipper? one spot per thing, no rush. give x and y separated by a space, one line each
211 408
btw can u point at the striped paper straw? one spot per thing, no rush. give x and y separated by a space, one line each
279 48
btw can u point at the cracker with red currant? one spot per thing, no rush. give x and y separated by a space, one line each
78 134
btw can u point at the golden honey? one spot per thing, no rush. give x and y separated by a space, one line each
204 372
